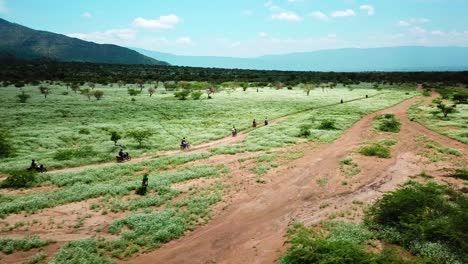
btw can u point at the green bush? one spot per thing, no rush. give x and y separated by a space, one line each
19 179
461 173
81 251
304 131
133 92
68 154
422 213
308 246
9 245
23 97
388 123
375 150
182 94
196 95
327 124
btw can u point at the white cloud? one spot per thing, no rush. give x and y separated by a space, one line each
319 15
263 34
113 36
163 22
3 7
184 41
343 13
287 16
437 33
272 7
417 30
247 12
412 21
295 1
403 23
370 9
87 15
418 20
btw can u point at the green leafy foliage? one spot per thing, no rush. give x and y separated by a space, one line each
9 245
388 123
182 94
23 97
327 124
343 244
81 251
19 179
420 215
140 135
304 131
375 150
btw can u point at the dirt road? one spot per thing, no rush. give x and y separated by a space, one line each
252 229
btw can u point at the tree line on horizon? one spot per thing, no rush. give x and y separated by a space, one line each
22 72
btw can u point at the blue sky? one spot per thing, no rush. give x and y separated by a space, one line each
246 28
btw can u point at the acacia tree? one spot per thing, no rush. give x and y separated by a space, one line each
151 91
75 87
98 94
211 90
140 135
141 85
308 87
23 97
446 109
45 91
86 92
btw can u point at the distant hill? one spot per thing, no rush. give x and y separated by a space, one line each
411 58
20 42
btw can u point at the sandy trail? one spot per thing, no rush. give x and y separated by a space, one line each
252 229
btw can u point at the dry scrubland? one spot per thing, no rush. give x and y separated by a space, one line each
92 215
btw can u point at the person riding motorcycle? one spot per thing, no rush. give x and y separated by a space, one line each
254 123
266 121
234 131
184 143
123 154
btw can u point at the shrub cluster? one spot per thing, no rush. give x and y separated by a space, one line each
388 123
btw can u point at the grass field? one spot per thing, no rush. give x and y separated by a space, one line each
45 129
454 126
70 130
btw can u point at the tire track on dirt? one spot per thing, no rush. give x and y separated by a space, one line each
241 136
252 230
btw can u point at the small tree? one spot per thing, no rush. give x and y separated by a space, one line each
92 85
23 97
140 135
115 137
279 85
141 85
182 95
151 91
45 91
75 87
445 109
86 92
244 86
211 90
98 94
196 95
308 87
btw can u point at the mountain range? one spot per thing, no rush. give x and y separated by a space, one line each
409 58
20 42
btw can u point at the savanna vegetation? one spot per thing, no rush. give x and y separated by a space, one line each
426 220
